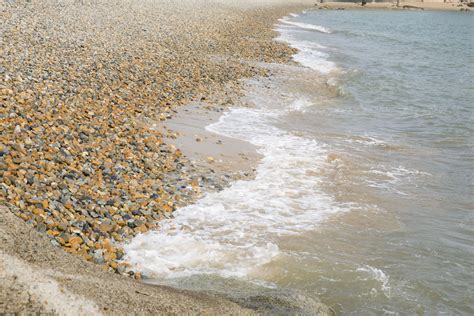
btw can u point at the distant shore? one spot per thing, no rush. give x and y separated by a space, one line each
402 5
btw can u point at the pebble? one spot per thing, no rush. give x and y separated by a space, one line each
77 160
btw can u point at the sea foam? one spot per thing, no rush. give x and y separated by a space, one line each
299 105
233 232
310 54
306 26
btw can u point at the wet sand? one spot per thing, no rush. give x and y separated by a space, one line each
225 156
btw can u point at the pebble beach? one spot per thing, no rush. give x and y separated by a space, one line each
79 83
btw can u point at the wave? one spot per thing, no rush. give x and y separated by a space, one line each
233 232
309 53
306 26
393 178
380 277
299 105
367 140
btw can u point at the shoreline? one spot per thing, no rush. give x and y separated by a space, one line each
113 177
225 158
71 275
51 280
182 158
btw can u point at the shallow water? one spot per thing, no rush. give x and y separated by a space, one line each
364 197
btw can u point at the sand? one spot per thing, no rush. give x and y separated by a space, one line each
39 277
225 156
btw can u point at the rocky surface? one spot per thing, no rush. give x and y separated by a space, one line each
77 81
80 81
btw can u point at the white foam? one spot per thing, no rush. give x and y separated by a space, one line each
236 230
306 26
309 53
367 140
299 105
312 59
393 179
379 276
395 175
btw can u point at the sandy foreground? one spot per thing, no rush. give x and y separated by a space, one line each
86 161
39 277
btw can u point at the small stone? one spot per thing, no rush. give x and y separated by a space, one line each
105 228
121 268
17 129
62 226
28 141
52 232
65 236
60 241
85 255
110 256
76 240
138 276
41 227
107 245
38 211
98 256
141 229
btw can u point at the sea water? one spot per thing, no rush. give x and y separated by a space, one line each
364 196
